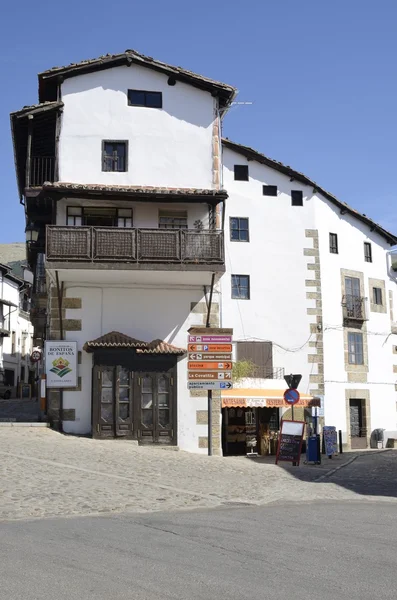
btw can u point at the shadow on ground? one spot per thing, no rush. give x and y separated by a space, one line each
369 473
19 411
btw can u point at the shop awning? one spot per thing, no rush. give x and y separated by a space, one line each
252 398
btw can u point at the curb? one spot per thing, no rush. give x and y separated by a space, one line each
15 424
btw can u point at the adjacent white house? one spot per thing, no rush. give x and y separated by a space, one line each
16 333
140 211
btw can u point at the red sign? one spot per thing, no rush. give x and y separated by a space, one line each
291 396
210 375
209 347
35 356
216 366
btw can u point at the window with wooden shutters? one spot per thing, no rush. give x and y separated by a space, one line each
258 353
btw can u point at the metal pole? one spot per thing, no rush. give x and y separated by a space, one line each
292 412
340 442
209 422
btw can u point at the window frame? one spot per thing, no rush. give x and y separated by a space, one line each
145 92
248 297
74 217
272 188
375 291
294 201
125 142
168 215
357 350
239 229
368 252
333 243
241 178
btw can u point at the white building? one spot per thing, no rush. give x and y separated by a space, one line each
16 333
120 168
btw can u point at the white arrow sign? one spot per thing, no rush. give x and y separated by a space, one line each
209 385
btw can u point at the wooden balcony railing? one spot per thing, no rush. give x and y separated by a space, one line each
42 169
353 308
112 244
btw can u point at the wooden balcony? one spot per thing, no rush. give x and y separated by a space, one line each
135 248
42 168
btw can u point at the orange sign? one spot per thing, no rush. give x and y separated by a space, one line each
209 347
217 366
210 375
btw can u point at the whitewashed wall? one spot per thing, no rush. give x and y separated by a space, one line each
145 214
168 147
143 313
274 260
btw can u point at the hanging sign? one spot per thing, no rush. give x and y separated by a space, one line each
61 364
289 446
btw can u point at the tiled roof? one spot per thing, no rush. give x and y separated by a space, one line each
252 154
130 189
160 347
36 108
227 92
114 339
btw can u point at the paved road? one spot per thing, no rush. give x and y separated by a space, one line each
307 551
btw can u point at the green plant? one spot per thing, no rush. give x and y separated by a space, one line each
244 368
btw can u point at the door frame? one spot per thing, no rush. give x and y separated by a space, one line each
173 396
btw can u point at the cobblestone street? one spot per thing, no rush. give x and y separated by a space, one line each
45 474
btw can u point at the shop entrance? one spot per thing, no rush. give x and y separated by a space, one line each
241 426
358 434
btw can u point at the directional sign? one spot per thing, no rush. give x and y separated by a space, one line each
210 339
210 356
217 366
209 347
209 385
291 396
209 375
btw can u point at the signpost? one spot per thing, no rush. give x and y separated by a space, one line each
291 396
60 364
210 363
289 446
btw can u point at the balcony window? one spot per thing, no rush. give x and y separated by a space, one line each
114 155
74 216
239 231
99 217
353 301
355 348
172 219
124 217
241 287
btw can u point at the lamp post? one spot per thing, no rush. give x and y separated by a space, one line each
32 233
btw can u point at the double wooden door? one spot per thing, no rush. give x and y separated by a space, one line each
137 405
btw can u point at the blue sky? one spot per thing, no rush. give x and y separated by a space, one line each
321 77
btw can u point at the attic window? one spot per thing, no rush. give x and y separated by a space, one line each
241 173
144 98
269 190
296 198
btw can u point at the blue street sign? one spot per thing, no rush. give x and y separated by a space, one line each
291 396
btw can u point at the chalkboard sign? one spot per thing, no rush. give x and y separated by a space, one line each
25 390
290 441
330 440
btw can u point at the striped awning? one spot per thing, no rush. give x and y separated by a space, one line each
252 398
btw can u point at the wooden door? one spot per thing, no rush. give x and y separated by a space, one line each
155 407
112 406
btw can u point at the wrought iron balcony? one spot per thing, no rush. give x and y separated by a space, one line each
353 308
136 246
42 168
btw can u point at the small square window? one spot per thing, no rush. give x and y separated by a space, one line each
333 243
367 252
269 190
114 156
144 98
239 229
296 198
355 348
241 287
241 173
377 295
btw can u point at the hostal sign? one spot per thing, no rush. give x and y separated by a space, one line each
61 364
